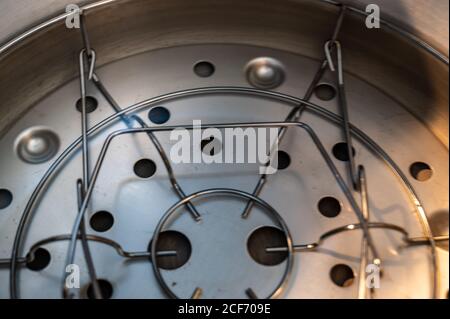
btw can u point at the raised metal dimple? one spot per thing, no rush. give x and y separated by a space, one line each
37 145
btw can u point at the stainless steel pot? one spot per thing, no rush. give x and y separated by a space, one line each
397 86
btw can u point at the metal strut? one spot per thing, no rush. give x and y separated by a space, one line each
296 113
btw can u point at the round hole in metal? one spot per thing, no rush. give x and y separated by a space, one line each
6 198
101 221
204 69
284 160
340 151
329 207
106 289
144 168
421 171
342 275
211 146
40 261
171 240
91 104
159 115
267 237
325 92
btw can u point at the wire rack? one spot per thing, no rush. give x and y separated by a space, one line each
356 192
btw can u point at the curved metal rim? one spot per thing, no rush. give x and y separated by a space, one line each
86 8
236 193
318 110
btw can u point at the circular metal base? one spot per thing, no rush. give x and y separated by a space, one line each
138 204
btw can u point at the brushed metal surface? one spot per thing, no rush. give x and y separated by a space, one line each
378 56
138 204
398 94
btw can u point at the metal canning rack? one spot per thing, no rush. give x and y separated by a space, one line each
333 60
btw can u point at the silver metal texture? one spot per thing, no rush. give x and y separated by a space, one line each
292 192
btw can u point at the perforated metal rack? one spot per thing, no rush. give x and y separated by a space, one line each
356 192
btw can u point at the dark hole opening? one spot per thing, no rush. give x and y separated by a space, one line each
267 237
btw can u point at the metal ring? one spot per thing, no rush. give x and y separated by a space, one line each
231 192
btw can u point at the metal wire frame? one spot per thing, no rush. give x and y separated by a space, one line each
296 113
167 164
347 192
132 119
81 186
235 193
364 254
407 239
290 100
356 177
372 145
109 139
410 241
290 248
411 37
87 54
91 57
